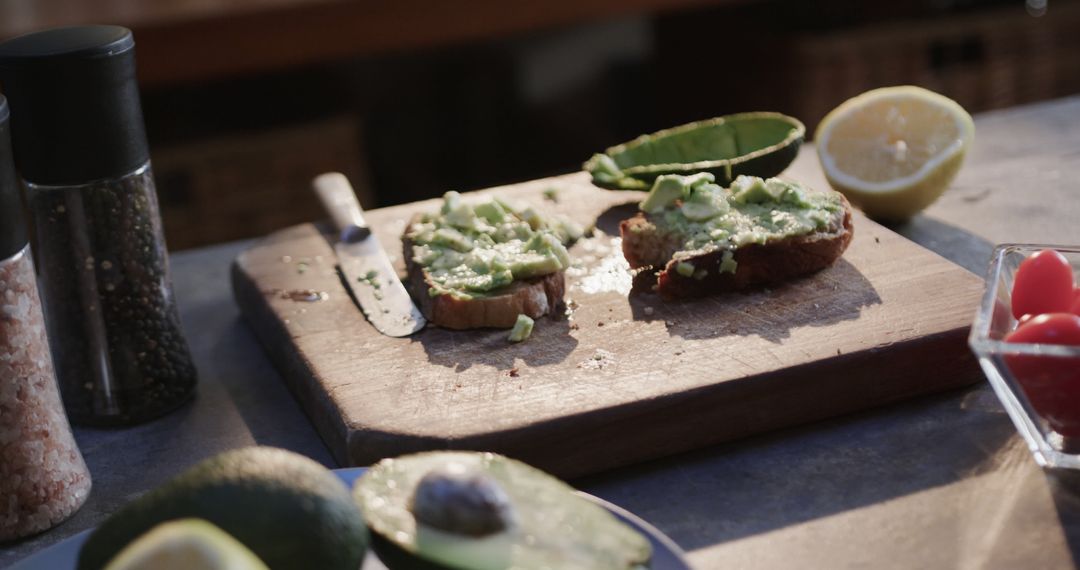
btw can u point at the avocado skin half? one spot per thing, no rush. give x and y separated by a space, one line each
773 142
289 510
764 166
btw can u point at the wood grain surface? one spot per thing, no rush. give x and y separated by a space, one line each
625 376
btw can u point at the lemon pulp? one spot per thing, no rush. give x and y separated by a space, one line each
893 151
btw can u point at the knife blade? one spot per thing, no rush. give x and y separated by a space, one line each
363 263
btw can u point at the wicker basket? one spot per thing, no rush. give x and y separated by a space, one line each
988 60
245 185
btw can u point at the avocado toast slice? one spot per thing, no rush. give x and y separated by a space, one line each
483 264
703 239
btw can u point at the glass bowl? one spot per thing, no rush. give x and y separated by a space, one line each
993 322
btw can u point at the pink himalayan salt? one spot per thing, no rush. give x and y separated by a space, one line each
43 479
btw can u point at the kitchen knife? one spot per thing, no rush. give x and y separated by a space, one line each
365 268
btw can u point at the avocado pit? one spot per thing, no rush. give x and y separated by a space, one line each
461 500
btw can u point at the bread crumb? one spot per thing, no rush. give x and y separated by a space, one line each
574 326
649 311
600 324
877 239
600 359
513 372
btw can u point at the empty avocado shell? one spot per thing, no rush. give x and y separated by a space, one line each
759 144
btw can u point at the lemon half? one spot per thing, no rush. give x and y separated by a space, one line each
893 151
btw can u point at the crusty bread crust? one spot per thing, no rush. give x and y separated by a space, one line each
533 297
758 264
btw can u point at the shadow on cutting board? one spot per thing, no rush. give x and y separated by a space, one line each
835 294
955 244
608 221
550 343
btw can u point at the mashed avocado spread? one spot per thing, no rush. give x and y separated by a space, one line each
470 250
751 210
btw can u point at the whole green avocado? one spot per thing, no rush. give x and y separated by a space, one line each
289 510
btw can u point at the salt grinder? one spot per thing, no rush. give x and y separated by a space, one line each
43 479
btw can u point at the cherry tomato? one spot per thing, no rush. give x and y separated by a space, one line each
1076 302
1043 284
1052 383
1049 328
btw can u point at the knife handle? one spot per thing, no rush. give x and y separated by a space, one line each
339 199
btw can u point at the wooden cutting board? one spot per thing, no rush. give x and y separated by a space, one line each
626 376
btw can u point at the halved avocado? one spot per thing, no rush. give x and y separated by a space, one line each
759 144
472 511
292 512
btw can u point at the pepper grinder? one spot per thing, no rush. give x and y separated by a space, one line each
43 479
80 145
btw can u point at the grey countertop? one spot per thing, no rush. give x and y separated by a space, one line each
937 482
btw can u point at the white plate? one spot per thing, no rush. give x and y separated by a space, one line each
666 554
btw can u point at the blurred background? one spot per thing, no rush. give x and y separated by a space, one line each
247 100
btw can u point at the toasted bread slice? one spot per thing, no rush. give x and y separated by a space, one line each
646 243
497 309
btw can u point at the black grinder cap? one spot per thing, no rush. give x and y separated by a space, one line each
12 227
75 111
